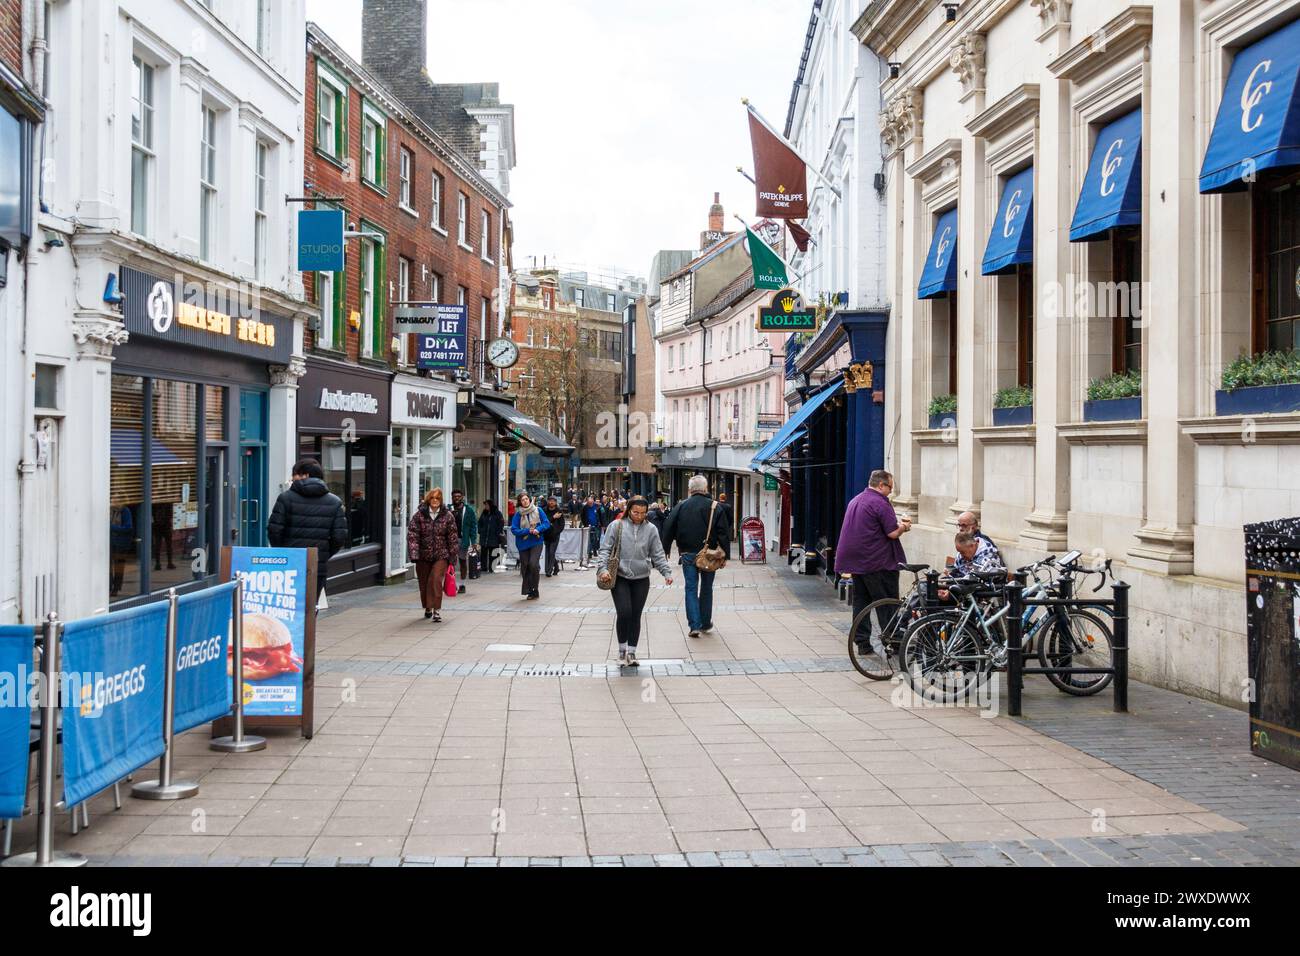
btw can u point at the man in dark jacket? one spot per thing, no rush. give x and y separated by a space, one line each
309 516
555 515
687 527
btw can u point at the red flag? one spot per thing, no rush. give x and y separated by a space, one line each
780 176
800 235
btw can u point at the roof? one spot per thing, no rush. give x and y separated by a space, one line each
737 289
705 256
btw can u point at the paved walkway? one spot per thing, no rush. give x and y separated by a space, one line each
504 736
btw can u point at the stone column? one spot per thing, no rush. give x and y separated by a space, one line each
282 425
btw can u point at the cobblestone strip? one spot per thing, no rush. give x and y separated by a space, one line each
675 668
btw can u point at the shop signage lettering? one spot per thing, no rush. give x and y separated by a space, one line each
420 405
340 401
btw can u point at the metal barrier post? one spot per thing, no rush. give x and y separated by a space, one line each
164 788
237 743
45 854
1015 635
1120 648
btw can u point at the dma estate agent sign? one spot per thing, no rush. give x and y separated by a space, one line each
216 317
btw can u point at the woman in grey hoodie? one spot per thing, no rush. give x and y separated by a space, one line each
639 551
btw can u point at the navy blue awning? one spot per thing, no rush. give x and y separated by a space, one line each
1011 242
1258 126
1112 189
940 272
797 423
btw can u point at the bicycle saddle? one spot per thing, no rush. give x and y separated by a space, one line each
913 568
999 575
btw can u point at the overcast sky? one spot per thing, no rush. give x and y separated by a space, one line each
627 112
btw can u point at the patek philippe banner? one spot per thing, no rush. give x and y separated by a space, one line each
202 649
780 175
769 270
16 645
277 594
113 720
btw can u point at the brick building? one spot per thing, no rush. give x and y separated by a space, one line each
432 229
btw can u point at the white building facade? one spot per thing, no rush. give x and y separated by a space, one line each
1043 160
165 313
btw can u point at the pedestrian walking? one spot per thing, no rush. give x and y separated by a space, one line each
491 535
869 549
700 529
433 544
635 543
467 528
308 515
656 515
591 521
528 525
555 515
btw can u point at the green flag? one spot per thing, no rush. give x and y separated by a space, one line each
769 270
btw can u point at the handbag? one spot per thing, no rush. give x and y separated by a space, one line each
710 559
611 568
449 587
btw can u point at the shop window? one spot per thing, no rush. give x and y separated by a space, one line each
174 491
344 464
1025 325
214 413
1277 264
1125 306
126 486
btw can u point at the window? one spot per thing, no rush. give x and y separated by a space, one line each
435 287
1126 250
530 335
952 343
142 154
485 309
331 115
438 222
681 357
325 302
1277 240
404 176
485 243
670 358
546 337
1025 325
372 295
373 147
462 228
208 184
461 294
403 295
610 302
259 210
580 298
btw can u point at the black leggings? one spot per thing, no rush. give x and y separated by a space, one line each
528 567
629 602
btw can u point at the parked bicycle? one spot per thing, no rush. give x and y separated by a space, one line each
875 655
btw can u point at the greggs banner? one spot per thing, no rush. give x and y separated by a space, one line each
16 644
277 595
780 176
202 642
113 703
769 270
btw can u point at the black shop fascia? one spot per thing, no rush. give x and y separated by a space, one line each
344 423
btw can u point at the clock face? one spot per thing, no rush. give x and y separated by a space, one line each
503 353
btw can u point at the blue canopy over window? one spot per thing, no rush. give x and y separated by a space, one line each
1258 126
940 272
795 427
1112 189
1011 242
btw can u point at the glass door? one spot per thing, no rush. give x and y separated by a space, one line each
252 494
214 492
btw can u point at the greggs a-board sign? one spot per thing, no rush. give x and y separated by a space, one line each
787 314
215 316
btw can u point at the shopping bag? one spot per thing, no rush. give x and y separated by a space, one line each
449 587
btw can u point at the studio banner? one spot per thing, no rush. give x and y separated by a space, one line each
16 644
780 175
113 716
202 649
277 596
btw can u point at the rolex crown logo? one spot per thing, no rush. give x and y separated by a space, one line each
788 305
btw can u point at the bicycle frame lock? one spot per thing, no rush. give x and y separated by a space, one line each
1016 670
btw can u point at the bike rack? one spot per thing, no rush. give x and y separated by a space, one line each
1015 633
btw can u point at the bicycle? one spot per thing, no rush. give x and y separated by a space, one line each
876 661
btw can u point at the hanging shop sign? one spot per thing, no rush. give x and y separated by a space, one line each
320 240
770 483
333 397
204 315
787 314
429 318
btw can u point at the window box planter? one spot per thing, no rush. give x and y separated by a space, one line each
1020 415
943 420
1113 409
1258 400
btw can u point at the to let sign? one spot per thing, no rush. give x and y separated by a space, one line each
320 240
445 348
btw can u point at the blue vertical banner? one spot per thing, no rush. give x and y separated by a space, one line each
320 240
203 651
277 598
16 645
113 669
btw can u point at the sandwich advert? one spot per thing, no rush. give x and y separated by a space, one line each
276 598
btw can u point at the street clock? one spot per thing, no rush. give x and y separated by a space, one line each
503 353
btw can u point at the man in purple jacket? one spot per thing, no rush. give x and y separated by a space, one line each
869 549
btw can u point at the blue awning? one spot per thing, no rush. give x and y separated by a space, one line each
796 424
1112 189
940 272
1011 241
1258 126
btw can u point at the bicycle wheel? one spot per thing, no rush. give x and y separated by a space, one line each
1086 643
866 661
944 659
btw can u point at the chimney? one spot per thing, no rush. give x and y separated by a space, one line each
394 40
716 216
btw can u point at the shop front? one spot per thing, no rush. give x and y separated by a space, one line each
343 422
192 437
538 460
420 455
681 462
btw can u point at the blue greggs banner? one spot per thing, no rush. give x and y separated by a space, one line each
1258 126
202 642
16 645
113 723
